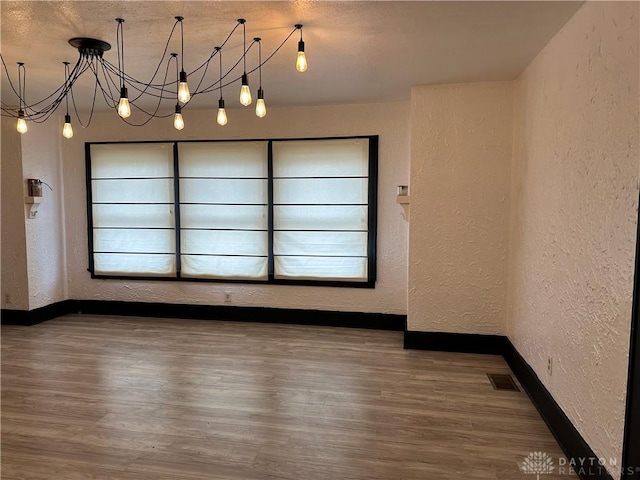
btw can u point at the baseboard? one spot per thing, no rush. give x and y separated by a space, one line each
377 321
37 315
572 443
455 342
569 439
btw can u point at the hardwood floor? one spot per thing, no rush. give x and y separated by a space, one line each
90 397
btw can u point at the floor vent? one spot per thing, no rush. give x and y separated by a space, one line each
502 382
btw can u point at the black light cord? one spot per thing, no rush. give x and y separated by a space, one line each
181 43
66 79
244 46
213 86
259 62
120 46
174 56
155 112
93 103
21 84
220 55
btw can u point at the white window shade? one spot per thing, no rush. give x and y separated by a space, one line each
133 209
321 158
128 264
232 191
327 268
330 217
321 196
223 159
223 214
235 217
132 160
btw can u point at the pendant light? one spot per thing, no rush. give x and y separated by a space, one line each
261 108
245 92
124 109
21 124
178 120
222 114
183 88
301 59
67 129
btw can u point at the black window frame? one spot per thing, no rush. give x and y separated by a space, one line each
372 216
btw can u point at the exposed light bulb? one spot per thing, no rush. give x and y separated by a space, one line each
245 92
178 121
301 60
67 129
21 124
222 114
261 108
124 109
183 88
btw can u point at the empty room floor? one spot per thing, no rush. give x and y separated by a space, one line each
88 397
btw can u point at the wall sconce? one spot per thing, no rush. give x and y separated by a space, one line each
34 195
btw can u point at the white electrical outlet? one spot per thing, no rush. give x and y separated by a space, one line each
550 366
227 297
7 298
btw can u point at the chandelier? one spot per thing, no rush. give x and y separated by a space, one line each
121 91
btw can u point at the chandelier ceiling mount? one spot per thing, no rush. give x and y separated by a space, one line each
91 47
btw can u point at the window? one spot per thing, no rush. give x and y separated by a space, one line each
268 211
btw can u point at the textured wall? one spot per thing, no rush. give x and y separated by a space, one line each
15 288
390 121
460 163
46 261
573 223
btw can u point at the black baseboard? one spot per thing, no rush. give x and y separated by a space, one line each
455 342
35 316
377 321
572 443
569 439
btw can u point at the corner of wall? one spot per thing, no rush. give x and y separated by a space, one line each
15 289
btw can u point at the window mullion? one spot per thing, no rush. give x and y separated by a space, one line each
87 153
176 205
373 209
270 260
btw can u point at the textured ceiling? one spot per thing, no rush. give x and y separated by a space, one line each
357 51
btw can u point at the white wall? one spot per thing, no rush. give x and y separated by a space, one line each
574 213
460 165
390 121
15 288
45 243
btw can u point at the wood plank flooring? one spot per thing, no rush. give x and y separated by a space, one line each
99 397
